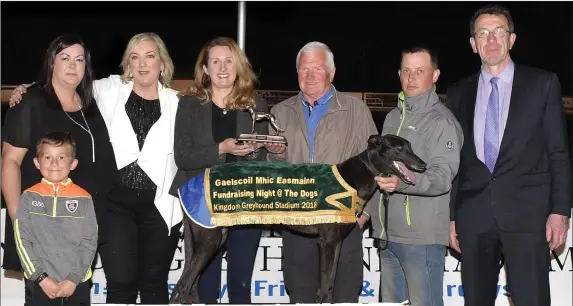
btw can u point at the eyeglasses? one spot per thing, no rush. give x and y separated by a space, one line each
497 32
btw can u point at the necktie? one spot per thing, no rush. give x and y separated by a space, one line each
491 134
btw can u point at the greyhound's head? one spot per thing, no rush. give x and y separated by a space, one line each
391 154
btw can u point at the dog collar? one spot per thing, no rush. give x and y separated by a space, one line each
368 164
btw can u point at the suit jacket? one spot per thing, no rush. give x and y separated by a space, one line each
194 146
532 176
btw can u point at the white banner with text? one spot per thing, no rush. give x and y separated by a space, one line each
268 285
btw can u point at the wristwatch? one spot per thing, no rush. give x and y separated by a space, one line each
40 278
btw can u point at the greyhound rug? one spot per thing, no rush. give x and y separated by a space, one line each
269 193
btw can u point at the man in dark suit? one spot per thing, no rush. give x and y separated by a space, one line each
513 190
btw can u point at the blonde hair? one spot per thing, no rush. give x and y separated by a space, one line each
168 68
243 93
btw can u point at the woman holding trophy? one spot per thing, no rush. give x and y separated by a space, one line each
211 113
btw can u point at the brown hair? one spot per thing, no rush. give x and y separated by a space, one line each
422 49
243 93
492 9
57 139
84 89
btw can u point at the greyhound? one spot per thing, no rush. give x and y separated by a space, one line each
256 116
385 155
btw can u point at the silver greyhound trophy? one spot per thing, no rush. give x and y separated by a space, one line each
254 137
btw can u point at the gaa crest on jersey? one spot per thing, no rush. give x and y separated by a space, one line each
72 206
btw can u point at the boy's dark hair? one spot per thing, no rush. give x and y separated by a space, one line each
57 139
491 9
422 49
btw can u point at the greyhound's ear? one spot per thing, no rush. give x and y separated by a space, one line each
374 140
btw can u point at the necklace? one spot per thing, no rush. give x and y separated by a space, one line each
83 128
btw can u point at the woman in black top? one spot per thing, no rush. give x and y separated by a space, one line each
62 101
209 118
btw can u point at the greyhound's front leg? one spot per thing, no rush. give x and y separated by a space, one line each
180 294
329 247
207 243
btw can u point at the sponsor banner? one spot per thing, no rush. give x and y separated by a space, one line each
269 193
268 285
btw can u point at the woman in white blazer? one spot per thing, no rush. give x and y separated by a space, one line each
143 219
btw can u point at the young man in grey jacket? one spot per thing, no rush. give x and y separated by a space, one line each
412 265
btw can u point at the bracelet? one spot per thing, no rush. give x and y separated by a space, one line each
253 155
41 278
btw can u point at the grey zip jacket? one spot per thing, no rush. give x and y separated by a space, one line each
56 231
420 214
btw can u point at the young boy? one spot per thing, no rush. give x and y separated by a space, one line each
56 229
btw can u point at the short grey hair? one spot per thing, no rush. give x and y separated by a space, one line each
316 45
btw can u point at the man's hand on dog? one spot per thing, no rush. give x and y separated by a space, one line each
388 184
362 220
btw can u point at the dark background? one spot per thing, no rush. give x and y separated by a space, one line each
366 37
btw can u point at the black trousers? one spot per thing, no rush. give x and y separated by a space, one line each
138 251
242 246
80 297
527 261
301 268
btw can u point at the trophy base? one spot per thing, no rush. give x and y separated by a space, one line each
256 138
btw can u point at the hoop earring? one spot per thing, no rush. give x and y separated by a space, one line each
162 74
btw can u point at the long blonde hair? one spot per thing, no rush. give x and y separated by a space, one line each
168 68
243 93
